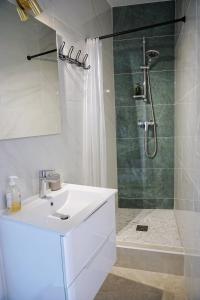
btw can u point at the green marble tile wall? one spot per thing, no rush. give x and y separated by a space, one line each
143 182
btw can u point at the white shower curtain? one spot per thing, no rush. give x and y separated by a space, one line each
94 131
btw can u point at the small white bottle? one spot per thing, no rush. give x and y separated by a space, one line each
13 195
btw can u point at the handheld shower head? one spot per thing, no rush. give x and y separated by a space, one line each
151 55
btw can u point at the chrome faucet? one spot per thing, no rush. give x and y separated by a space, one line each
44 180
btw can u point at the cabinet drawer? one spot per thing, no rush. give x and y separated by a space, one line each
83 242
88 283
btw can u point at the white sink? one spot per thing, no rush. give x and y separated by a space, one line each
46 257
62 210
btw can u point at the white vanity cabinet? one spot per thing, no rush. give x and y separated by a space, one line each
43 264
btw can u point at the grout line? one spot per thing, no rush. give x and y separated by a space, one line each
146 37
144 105
178 228
139 72
131 198
130 168
136 138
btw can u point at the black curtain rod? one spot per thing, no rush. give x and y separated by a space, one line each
29 57
183 19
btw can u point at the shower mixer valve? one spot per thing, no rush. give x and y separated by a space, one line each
146 124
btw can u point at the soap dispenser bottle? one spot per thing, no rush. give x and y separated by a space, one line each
13 195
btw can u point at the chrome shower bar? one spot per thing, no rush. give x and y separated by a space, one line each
183 19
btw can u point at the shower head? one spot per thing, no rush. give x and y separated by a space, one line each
151 55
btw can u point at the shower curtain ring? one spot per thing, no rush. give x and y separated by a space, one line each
85 58
84 61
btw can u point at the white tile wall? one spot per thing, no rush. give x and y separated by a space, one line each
74 21
187 141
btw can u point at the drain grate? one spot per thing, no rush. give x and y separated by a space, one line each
142 228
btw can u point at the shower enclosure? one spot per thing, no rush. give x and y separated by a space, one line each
145 152
144 95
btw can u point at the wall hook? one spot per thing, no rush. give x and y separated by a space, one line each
69 55
71 60
84 62
61 55
77 58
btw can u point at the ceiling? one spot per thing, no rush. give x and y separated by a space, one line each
130 2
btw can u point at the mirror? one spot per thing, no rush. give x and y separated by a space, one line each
29 98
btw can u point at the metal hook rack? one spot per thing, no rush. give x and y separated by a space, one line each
76 61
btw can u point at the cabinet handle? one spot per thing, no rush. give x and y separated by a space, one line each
94 211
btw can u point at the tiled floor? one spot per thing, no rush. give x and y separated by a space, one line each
131 284
162 228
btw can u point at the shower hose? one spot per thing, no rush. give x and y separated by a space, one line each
146 148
